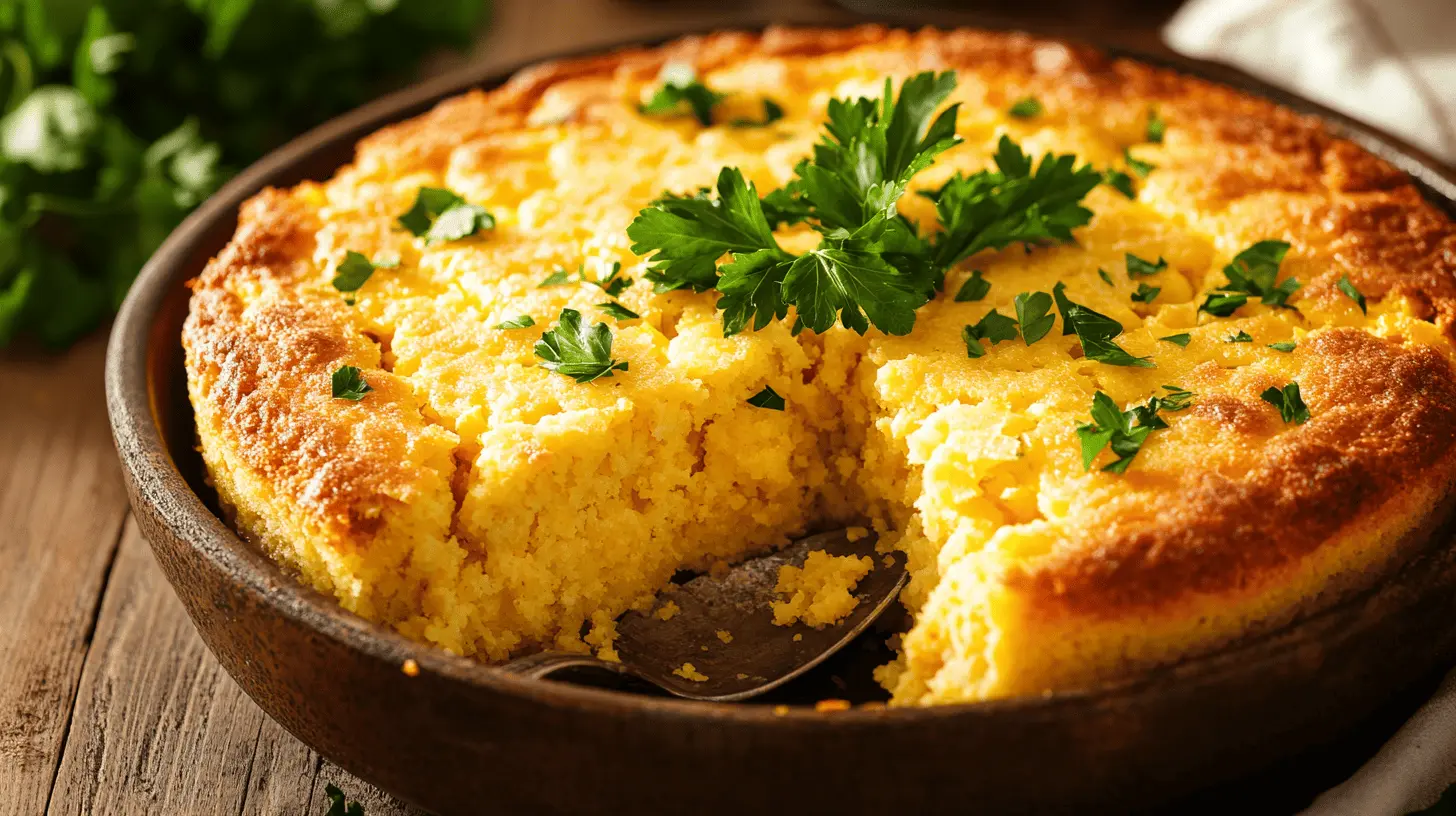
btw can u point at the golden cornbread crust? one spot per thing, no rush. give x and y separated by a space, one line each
1229 513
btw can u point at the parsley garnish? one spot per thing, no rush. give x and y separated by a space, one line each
1137 166
680 85
1291 406
618 311
1252 273
1156 127
439 215
1026 108
560 277
1106 278
1351 292
1137 267
1032 310
348 383
581 353
994 326
973 289
1241 337
615 283
517 322
1146 293
1095 332
767 398
336 803
1179 340
1285 346
772 112
1125 431
355 271
1119 181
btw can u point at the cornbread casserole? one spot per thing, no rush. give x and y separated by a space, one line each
479 501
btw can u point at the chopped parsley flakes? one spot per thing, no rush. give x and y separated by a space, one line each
1119 181
767 398
1095 331
1352 293
1026 108
348 384
439 215
518 322
1284 346
681 92
1123 432
975 288
1137 267
1146 293
1253 273
994 326
1106 278
1032 313
1179 340
1241 337
560 277
337 806
1290 404
1138 167
580 352
618 311
1156 127
355 271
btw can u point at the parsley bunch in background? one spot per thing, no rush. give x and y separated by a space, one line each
121 116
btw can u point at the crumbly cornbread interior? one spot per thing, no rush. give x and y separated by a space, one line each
479 502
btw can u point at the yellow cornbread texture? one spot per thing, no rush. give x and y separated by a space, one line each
818 593
481 503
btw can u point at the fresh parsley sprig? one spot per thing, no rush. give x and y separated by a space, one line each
581 352
1124 432
1095 331
1253 273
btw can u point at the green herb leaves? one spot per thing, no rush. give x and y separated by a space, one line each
1179 340
975 288
618 311
686 235
1095 331
580 352
348 384
1240 337
1137 267
682 92
439 215
1140 168
1032 313
337 806
1145 293
767 398
517 322
1285 346
1156 128
1026 108
1253 273
1123 432
994 327
1349 290
355 271
1290 404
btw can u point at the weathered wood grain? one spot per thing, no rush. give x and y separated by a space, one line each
61 510
159 727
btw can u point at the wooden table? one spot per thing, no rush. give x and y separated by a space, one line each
109 702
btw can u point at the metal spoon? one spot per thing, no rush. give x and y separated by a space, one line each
759 656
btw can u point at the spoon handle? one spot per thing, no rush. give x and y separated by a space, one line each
544 664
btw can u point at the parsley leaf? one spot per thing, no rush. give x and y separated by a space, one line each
680 85
580 352
851 282
772 112
1179 340
1241 337
1285 346
439 215
1290 404
348 383
686 236
1124 432
1156 127
1137 166
1146 293
618 311
1095 331
1032 312
1014 204
337 806
1121 182
517 322
615 283
355 271
782 207
767 398
1137 267
1351 292
975 288
560 277
994 326
1026 108
1253 273
1106 278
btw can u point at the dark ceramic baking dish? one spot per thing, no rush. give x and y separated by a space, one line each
462 737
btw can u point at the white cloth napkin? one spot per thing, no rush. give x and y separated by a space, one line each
1391 63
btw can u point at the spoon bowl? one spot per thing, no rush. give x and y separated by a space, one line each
724 627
